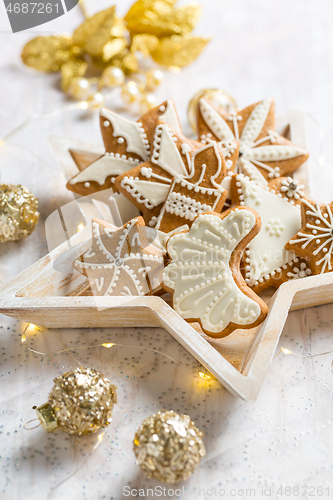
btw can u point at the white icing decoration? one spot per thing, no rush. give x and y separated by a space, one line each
87 184
151 194
215 122
302 271
104 167
266 251
166 154
170 116
132 132
251 154
274 227
200 274
106 123
120 266
323 236
291 189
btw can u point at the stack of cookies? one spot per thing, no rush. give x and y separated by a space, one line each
221 218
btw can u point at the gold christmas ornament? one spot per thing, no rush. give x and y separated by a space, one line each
154 28
147 102
168 446
113 76
80 402
221 98
154 78
130 92
18 212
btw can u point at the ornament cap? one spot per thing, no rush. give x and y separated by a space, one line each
47 417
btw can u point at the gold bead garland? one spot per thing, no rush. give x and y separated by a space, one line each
18 212
80 402
115 47
168 446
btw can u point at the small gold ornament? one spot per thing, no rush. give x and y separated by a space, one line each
168 446
18 212
156 28
130 92
113 76
147 102
80 88
221 98
80 402
154 78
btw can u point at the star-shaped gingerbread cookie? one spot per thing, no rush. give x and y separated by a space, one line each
263 154
200 191
127 143
314 241
148 184
121 262
267 261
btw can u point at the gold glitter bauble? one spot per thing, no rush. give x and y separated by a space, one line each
18 212
81 402
168 446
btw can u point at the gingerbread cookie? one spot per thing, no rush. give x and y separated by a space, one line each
267 262
121 262
204 276
263 154
127 144
314 241
199 192
147 185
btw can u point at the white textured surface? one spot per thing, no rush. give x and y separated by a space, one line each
258 49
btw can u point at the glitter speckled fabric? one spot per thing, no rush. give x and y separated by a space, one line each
82 401
168 446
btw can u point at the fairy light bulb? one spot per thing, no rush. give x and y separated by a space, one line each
154 78
147 102
96 100
80 88
113 76
130 92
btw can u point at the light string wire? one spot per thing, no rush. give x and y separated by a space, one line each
108 345
82 105
304 356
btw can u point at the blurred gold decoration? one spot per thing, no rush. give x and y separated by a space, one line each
153 28
168 446
80 402
178 50
18 212
221 98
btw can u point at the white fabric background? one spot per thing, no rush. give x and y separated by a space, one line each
258 48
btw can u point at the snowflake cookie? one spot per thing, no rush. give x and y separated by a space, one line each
314 241
147 185
267 261
121 262
204 277
127 143
263 154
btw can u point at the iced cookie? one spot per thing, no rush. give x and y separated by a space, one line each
121 262
127 143
200 191
314 241
263 154
267 262
147 185
204 275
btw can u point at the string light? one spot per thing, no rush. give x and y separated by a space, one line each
108 345
80 227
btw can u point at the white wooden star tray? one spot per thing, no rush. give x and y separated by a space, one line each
46 295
